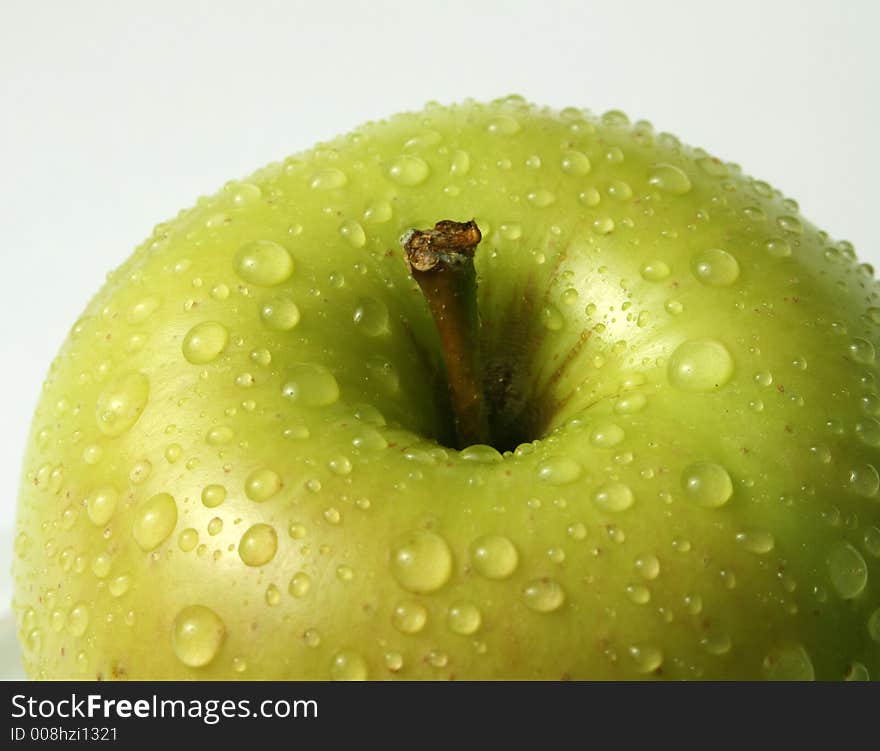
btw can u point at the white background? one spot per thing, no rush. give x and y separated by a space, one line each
114 115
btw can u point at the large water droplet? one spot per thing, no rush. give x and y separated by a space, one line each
353 232
258 545
311 385
197 635
300 584
494 557
847 570
645 658
121 403
154 520
263 262
503 125
700 365
204 342
575 163
864 480
606 435
654 271
707 484
669 179
328 179
544 595
421 562
715 267
408 170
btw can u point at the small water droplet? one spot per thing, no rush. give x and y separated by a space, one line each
204 342
408 170
348 665
463 618
756 541
300 584
311 385
847 570
864 480
197 635
700 365
494 557
778 248
121 403
503 125
552 318
480 454
409 616
559 470
154 520
263 262
101 504
669 179
328 179
258 545
654 271
353 232
606 435
262 484
715 267
280 313
540 197
861 350
78 619
575 163
421 562
707 484
543 595
371 316
614 496
603 225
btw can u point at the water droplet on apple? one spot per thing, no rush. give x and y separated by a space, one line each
559 470
715 267
311 385
463 618
847 570
871 541
503 125
263 262
262 484
188 539
204 342
654 271
328 179
707 484
630 404
300 584
142 310
700 365
789 662
874 625
78 619
461 163
480 454
540 197
121 403
409 617
791 224
713 166
864 480
154 520
756 541
348 666
645 658
669 179
552 318
258 545
544 595
312 638
421 562
241 193
778 248
648 566
575 163
280 313
340 465
861 350
638 593
101 504
119 585
603 225
494 557
354 234
371 316
614 496
196 635
408 170
606 435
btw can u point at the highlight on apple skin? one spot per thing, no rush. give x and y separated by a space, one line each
243 463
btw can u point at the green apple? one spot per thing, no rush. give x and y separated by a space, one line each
247 459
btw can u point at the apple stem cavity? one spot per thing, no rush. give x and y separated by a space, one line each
441 260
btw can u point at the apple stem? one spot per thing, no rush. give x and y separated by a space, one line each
441 260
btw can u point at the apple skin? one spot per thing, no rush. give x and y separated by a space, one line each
234 468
